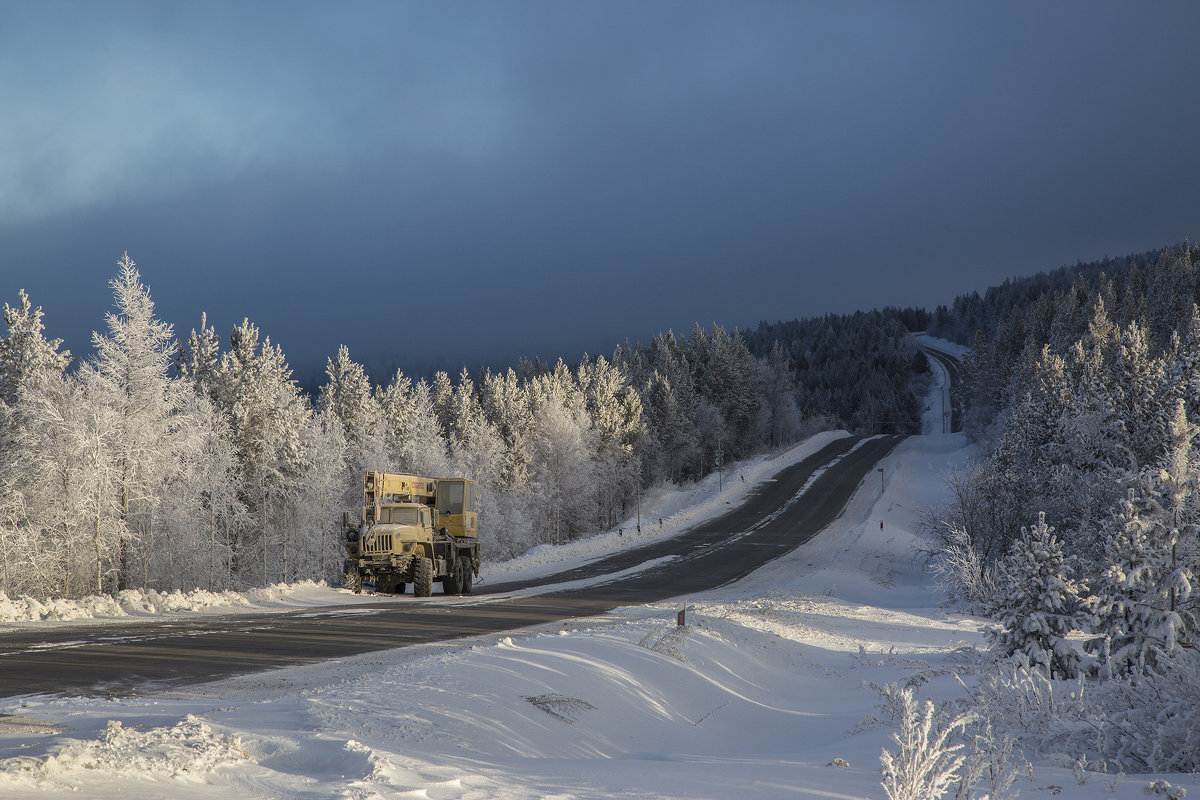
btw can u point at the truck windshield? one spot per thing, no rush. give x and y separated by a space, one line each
403 516
450 497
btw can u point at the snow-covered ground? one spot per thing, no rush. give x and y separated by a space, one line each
767 692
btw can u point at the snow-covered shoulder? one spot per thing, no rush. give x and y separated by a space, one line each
141 604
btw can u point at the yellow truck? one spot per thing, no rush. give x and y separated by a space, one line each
413 530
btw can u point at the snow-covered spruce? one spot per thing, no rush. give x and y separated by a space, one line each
1037 603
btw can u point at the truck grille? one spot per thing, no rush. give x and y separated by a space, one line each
378 544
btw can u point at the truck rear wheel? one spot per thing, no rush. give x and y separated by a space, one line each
468 577
423 577
452 583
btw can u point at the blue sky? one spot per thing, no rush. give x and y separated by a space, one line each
438 184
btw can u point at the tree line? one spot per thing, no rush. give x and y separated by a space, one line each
167 464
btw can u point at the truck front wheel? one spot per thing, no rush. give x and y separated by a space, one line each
423 577
351 579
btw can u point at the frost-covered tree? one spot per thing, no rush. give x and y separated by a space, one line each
506 405
25 353
477 451
1135 625
671 441
129 375
441 391
208 515
782 415
36 399
348 400
413 433
1144 608
1031 436
615 420
1037 603
563 483
59 515
312 541
266 415
733 384
347 394
1137 379
197 360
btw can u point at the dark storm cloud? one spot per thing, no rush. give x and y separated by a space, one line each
434 184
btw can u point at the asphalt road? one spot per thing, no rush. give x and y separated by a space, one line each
952 366
134 657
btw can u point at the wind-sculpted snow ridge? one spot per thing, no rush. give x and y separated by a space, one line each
139 603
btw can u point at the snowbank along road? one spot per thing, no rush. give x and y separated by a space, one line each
131 657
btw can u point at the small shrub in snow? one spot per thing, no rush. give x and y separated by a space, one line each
1151 722
962 570
1045 714
671 643
1142 723
1164 789
560 706
889 710
926 764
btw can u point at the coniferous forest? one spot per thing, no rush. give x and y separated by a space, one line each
1078 528
170 461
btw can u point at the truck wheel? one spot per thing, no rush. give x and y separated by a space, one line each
452 583
352 580
423 577
468 577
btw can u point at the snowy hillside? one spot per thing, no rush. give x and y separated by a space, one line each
769 691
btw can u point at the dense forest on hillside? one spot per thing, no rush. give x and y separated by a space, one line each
1083 512
858 369
167 464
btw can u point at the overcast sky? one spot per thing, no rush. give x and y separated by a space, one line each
438 184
